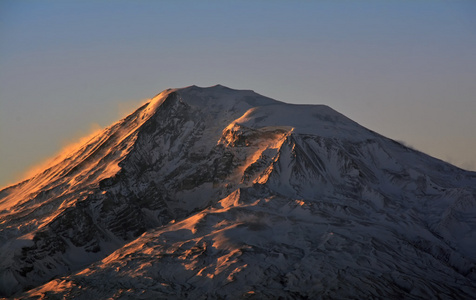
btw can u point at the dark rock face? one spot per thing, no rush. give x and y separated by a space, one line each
223 193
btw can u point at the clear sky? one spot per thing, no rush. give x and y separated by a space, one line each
405 69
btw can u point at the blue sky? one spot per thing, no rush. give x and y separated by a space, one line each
406 69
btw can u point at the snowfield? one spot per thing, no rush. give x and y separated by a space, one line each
215 193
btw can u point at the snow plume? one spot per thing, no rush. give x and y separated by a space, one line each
68 147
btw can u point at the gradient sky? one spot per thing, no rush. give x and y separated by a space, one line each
405 69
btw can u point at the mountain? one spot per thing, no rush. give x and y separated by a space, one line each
214 193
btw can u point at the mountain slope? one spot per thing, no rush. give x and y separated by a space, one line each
222 192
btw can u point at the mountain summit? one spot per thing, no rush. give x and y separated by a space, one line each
212 193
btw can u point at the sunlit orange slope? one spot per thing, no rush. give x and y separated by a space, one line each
81 164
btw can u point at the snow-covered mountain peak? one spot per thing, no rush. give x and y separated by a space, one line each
227 193
256 111
219 97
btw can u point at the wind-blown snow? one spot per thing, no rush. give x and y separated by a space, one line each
219 193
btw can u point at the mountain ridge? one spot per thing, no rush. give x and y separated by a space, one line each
218 170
